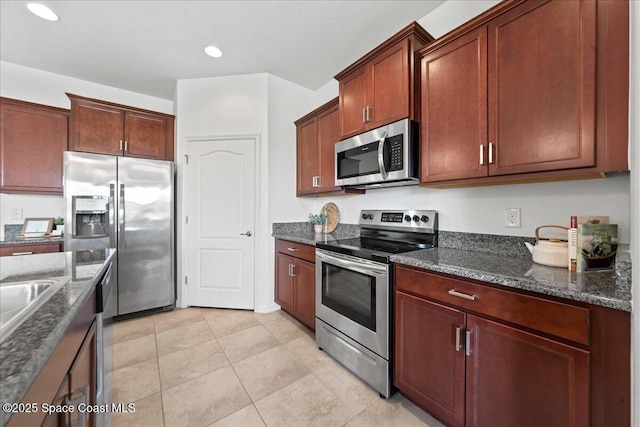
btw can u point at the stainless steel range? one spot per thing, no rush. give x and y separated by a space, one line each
354 288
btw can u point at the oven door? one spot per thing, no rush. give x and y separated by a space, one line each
352 295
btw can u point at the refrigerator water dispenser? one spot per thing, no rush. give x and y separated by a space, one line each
90 216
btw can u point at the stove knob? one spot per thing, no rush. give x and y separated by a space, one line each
365 216
416 218
424 218
407 218
370 216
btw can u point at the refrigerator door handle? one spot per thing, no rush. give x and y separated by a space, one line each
121 207
112 216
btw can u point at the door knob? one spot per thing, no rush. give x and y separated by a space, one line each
248 234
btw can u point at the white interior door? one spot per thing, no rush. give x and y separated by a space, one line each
220 209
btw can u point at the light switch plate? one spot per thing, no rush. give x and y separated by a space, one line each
15 213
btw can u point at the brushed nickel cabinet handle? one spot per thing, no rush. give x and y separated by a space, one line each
293 249
125 146
491 153
455 293
458 339
22 253
467 343
120 145
482 154
293 270
364 115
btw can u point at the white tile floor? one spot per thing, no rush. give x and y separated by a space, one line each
214 367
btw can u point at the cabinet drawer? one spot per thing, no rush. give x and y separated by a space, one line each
555 318
297 250
29 249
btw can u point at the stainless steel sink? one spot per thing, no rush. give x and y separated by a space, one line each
18 300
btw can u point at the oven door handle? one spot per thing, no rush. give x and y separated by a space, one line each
383 171
361 267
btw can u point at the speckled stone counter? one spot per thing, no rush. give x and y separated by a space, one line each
502 260
302 232
25 351
607 288
33 241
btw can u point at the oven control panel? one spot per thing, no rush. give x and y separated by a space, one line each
409 220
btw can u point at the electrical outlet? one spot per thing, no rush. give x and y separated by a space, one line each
513 218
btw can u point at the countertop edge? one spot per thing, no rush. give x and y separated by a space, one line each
487 276
14 387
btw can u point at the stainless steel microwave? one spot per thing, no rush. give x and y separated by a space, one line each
383 157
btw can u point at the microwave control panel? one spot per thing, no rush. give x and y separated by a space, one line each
396 153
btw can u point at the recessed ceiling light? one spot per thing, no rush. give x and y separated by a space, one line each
42 11
213 51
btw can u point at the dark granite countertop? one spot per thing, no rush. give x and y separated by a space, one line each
30 241
26 350
510 265
605 288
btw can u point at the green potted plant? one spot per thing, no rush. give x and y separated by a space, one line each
59 223
601 250
318 221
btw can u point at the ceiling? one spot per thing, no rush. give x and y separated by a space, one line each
146 46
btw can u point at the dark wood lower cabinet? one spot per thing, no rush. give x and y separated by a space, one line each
429 367
470 354
514 378
29 249
295 281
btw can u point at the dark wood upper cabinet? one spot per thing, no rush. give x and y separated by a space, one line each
106 128
32 140
528 91
380 87
542 98
316 136
453 127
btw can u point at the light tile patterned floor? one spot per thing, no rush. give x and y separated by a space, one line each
216 367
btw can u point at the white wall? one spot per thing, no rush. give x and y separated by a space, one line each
224 106
41 87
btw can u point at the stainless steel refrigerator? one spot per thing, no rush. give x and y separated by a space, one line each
128 204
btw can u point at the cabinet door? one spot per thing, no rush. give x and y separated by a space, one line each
82 380
305 292
284 282
389 78
518 379
428 367
307 156
328 135
145 135
58 419
96 128
32 139
353 101
454 92
542 59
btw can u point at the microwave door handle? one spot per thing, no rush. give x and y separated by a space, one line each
383 171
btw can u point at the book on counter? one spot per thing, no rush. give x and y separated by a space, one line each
596 246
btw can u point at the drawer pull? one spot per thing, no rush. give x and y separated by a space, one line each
22 253
455 293
293 249
458 339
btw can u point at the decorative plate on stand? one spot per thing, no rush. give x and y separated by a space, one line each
333 216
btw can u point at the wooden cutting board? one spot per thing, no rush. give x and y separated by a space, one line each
333 216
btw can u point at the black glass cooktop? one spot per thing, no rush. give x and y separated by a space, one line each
372 249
